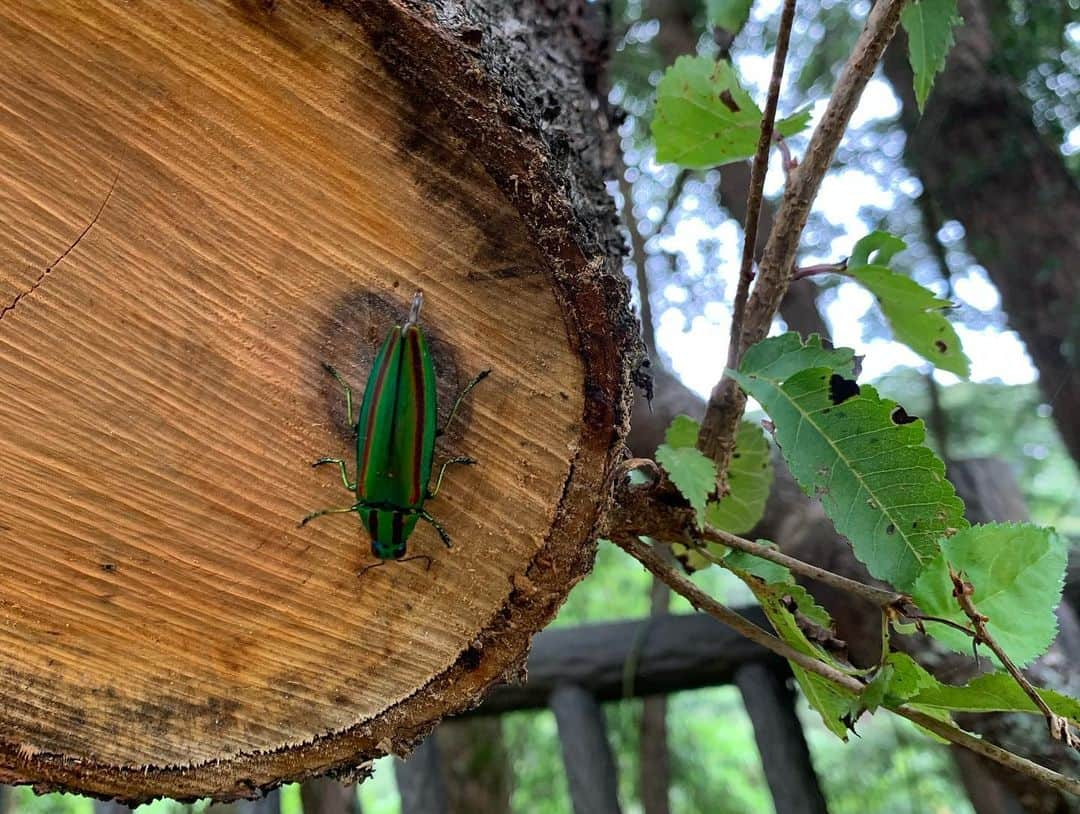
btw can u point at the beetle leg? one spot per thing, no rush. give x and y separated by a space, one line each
461 459
367 568
309 517
344 472
344 386
479 377
419 557
438 527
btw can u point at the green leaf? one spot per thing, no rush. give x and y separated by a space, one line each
683 432
882 245
777 590
730 15
864 457
1017 571
690 470
929 26
704 118
994 692
900 679
782 356
749 477
914 313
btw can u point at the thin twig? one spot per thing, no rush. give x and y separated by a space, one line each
726 402
703 602
640 257
757 182
789 162
652 560
960 737
803 272
1058 726
875 596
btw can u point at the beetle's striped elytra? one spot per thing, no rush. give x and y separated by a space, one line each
396 431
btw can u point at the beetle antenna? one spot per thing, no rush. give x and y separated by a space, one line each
414 311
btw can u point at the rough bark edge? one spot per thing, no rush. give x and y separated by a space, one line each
482 91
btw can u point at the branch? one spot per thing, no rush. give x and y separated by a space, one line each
727 401
757 183
651 559
886 600
1059 726
640 256
703 602
960 737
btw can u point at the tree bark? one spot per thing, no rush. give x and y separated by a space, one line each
286 175
982 160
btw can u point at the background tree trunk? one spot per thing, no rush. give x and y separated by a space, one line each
285 176
982 161
475 766
325 795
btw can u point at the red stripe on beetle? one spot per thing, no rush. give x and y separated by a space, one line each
417 384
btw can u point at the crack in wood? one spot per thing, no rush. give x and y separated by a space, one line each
63 255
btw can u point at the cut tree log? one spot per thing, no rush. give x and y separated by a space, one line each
285 176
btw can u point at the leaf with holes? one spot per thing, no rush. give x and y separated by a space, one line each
704 118
782 598
914 313
690 470
929 26
864 457
1017 571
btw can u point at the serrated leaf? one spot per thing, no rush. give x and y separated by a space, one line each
1017 571
692 472
994 692
683 432
730 15
775 588
865 459
749 477
914 313
929 26
704 118
782 356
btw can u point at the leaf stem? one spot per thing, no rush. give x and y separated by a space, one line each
803 272
879 597
1058 726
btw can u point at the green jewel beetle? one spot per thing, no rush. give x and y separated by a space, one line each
395 442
